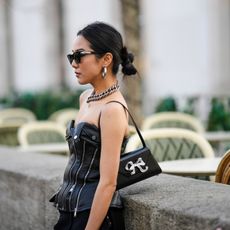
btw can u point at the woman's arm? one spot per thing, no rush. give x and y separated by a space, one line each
113 123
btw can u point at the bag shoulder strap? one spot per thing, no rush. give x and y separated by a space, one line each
133 121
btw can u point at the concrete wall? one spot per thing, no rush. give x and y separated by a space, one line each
164 202
171 203
26 183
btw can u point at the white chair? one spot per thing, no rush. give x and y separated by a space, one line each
172 120
8 134
41 132
132 130
63 116
172 143
16 116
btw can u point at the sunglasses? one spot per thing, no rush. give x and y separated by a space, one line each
76 56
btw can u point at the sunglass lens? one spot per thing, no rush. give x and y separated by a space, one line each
77 57
70 58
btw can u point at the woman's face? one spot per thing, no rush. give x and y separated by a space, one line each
88 70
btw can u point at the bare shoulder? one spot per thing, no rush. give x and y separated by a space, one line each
114 108
114 118
84 95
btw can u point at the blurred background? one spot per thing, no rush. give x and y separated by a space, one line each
182 50
180 100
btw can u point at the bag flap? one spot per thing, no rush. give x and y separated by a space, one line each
137 161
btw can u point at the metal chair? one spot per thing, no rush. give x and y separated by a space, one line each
223 170
172 120
41 132
172 143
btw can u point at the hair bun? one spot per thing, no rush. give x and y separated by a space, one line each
127 60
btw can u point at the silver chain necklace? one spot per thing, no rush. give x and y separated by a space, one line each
107 92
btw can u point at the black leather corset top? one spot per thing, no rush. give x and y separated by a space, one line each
81 175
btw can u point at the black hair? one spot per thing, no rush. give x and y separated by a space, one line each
104 38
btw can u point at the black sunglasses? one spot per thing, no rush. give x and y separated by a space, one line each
77 55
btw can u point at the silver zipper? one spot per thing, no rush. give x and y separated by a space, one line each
83 156
78 197
69 175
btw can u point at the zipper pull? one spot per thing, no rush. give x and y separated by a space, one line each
71 189
75 212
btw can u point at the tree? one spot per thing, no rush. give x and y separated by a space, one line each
132 86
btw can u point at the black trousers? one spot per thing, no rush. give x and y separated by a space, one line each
113 221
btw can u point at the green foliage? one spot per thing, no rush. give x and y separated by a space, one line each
170 104
43 104
166 104
219 116
190 105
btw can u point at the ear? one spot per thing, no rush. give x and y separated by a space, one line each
107 59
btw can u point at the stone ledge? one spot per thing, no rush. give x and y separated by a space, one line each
172 202
27 180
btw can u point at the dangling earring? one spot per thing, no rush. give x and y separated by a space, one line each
104 72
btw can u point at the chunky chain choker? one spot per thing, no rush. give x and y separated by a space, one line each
107 92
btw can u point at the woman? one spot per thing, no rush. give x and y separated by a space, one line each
87 198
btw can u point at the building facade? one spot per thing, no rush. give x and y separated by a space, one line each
185 44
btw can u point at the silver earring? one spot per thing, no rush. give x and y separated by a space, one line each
104 72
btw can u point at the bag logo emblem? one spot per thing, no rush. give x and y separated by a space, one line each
130 166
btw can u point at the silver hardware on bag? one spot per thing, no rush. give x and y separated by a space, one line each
130 166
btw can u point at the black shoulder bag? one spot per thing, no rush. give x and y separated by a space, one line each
138 164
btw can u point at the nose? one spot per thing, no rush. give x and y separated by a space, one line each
74 64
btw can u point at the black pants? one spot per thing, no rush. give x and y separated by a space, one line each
113 221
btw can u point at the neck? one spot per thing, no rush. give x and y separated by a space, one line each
102 86
96 96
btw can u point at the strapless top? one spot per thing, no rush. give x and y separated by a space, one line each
82 175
